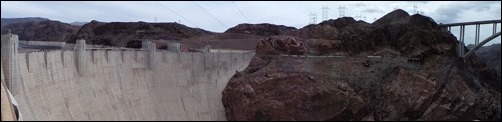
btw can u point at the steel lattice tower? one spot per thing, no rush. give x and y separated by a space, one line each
342 11
324 13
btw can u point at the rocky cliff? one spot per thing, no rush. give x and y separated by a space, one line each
490 55
42 31
263 29
121 34
7 21
415 75
125 34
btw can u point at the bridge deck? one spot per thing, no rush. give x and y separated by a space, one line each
470 23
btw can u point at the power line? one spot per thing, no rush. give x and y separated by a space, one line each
178 14
241 12
211 15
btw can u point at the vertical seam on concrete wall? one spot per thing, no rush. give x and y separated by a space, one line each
48 62
191 57
179 56
62 58
164 57
122 55
75 61
184 108
93 56
28 61
136 56
107 56
45 59
213 61
67 107
192 80
204 56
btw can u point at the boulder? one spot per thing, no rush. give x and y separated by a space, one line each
280 45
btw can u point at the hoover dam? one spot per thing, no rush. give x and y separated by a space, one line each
116 64
117 84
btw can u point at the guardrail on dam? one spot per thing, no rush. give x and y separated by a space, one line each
118 85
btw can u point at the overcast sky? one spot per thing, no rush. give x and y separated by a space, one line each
217 16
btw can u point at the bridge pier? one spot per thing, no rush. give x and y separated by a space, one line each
476 38
461 41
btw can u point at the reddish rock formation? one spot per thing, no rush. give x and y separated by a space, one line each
275 87
224 41
280 45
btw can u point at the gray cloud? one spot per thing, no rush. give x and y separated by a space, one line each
360 4
496 11
480 6
451 12
421 2
454 11
371 10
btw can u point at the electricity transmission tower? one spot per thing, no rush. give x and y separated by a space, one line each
358 17
324 13
313 18
415 8
342 11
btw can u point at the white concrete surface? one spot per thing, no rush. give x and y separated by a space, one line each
119 85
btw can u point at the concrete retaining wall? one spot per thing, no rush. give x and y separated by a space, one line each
229 51
119 85
44 43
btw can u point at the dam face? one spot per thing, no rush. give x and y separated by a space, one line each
120 85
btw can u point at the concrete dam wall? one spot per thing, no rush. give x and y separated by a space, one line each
120 85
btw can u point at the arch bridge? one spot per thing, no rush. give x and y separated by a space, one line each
460 48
